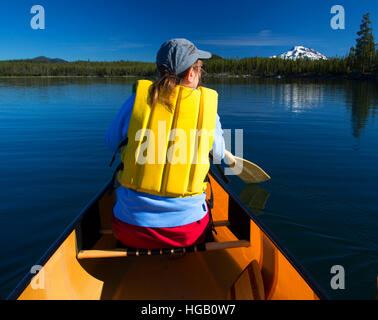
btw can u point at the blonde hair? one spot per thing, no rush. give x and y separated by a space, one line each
164 86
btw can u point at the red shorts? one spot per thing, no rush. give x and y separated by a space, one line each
156 238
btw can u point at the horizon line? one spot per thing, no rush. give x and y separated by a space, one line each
90 60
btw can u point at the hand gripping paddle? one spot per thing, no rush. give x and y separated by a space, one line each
246 170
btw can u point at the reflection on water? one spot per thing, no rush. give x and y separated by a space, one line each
301 97
255 197
297 95
361 101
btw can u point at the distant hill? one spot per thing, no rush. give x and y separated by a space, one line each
48 60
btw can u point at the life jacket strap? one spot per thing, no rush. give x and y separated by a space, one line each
112 183
120 166
122 144
210 204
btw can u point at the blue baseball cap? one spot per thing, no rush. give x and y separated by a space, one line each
179 55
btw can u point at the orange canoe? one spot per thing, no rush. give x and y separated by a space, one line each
244 261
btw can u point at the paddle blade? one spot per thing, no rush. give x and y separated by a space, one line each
248 171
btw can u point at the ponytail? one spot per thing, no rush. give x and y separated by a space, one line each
166 84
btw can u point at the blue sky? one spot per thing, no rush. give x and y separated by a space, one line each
105 30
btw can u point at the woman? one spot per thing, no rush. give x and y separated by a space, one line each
161 201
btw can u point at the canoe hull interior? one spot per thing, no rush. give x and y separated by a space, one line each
199 275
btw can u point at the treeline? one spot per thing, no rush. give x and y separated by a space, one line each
255 67
77 68
270 67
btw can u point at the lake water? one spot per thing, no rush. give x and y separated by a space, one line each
318 140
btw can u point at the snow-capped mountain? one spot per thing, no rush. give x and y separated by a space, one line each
300 52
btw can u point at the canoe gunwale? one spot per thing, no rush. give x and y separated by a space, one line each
24 282
270 235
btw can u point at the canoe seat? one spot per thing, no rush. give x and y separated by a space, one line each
249 284
129 252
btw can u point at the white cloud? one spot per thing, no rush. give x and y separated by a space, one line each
262 38
131 45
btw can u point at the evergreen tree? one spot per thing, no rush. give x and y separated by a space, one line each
365 46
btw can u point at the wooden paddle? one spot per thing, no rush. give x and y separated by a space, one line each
246 170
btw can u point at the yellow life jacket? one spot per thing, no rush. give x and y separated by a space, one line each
159 160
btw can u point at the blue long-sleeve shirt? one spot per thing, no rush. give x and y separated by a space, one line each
148 210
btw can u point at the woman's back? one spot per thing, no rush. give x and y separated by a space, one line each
171 127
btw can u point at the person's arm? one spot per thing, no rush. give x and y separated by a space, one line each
218 148
117 132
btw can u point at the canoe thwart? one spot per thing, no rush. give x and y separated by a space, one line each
131 252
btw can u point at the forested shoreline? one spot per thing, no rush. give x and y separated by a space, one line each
246 67
43 67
